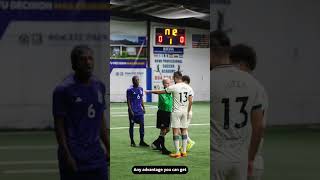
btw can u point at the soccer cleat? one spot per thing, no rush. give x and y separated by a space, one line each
175 155
184 154
142 143
190 145
133 144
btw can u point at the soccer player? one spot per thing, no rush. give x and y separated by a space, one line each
182 102
245 57
163 118
136 110
186 79
236 114
80 121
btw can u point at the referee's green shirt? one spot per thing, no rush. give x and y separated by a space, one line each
165 102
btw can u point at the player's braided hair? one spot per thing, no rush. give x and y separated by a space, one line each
177 74
76 52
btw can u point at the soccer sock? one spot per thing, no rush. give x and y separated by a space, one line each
189 140
161 141
176 143
131 132
184 143
141 130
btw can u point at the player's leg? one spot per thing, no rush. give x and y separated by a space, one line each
257 174
175 124
156 144
165 128
218 171
190 142
239 171
184 138
140 120
131 126
164 150
184 128
176 133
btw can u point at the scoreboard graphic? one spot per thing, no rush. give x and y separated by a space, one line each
170 37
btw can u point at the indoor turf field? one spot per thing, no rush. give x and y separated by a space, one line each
291 153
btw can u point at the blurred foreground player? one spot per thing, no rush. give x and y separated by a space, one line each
163 118
136 110
236 114
80 122
245 57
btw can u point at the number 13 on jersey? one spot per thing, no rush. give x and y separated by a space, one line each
226 102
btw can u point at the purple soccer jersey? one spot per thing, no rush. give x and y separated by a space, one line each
135 96
81 107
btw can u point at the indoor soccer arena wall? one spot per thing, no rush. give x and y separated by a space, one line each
285 35
31 67
195 63
195 60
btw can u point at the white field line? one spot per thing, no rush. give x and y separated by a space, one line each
124 115
30 171
28 162
115 128
125 107
51 147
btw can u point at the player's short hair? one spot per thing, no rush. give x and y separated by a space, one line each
219 42
186 78
134 77
177 74
76 52
242 53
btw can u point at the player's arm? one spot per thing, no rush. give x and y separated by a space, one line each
156 91
59 112
190 99
61 139
257 133
105 135
142 104
129 102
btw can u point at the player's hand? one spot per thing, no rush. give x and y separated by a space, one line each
250 168
72 164
144 111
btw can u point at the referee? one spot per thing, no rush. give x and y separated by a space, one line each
163 118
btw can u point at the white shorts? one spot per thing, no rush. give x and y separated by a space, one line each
179 120
228 171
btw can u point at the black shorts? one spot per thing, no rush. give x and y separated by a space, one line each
163 119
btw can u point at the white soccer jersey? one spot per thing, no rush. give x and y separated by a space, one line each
180 94
234 94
